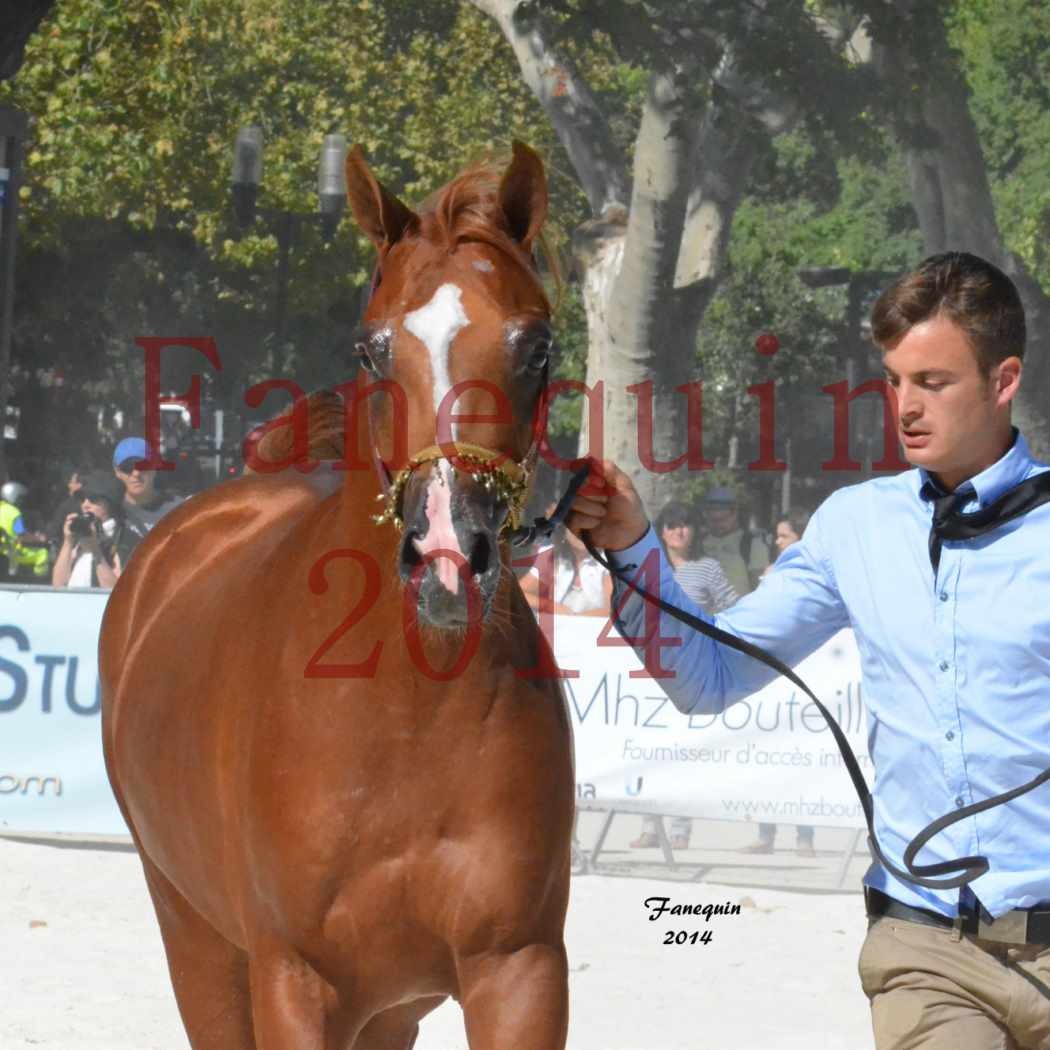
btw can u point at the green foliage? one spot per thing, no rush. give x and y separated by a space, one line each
799 215
1004 47
126 201
134 108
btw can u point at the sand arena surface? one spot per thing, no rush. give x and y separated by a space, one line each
82 967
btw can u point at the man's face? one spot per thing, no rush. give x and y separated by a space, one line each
139 485
720 518
952 420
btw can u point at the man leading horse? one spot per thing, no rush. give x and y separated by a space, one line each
942 572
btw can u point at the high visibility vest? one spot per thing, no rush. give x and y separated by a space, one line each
35 558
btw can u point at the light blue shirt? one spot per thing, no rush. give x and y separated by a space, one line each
956 669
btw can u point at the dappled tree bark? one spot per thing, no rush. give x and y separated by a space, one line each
651 257
932 122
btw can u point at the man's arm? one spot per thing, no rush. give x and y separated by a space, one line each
794 611
797 608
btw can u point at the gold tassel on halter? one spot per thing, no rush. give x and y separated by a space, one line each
507 480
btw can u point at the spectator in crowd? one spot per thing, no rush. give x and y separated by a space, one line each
789 529
702 578
144 504
96 541
742 555
705 582
70 505
578 584
24 549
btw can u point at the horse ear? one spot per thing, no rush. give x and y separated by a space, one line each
523 195
379 214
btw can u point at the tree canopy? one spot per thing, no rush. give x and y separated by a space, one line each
134 108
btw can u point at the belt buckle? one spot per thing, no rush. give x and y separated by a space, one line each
1011 928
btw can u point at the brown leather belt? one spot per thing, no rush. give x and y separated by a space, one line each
1020 926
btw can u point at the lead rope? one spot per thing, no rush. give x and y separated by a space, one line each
968 869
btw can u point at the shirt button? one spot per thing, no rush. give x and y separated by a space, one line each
949 735
943 665
944 596
959 803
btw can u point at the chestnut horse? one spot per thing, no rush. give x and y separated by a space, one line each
351 793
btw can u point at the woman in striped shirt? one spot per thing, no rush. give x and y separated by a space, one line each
701 578
705 582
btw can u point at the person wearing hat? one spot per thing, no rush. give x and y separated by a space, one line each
96 542
742 555
144 506
70 504
24 549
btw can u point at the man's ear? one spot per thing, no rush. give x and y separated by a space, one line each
1008 380
380 215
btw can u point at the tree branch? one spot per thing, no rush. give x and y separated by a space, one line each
931 119
578 121
663 155
742 111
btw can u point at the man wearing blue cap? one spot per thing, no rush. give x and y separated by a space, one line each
144 506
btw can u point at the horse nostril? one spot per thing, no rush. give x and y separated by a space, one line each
480 555
410 555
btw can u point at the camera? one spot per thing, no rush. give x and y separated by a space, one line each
83 525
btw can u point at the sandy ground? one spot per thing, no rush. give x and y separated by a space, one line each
82 967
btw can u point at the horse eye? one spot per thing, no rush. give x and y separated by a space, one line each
540 357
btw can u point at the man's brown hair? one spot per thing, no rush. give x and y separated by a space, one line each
965 289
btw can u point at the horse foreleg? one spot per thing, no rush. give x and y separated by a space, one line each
292 1005
517 999
208 973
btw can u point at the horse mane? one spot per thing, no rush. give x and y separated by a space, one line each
467 209
326 414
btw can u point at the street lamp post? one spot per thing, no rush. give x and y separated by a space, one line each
245 181
13 124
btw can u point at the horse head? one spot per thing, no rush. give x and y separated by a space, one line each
457 335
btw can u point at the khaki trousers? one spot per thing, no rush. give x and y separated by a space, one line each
931 989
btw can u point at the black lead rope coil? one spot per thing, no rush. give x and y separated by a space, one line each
961 872
543 528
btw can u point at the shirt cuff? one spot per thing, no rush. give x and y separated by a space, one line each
635 554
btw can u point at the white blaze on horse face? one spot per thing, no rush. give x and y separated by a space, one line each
436 325
441 534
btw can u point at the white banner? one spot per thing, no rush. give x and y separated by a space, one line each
770 757
52 777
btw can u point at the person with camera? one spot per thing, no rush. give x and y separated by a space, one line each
96 541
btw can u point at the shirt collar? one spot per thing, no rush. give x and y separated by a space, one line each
1004 474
